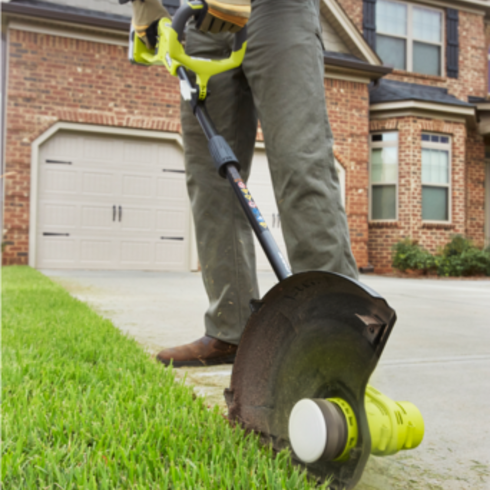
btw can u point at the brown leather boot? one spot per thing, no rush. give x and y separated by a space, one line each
206 351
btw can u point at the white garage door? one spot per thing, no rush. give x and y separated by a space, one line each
260 185
112 203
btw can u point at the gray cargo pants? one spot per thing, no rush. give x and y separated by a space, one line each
281 83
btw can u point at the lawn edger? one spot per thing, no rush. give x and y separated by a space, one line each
301 373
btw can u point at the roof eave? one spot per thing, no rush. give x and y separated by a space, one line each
424 108
70 17
361 68
349 33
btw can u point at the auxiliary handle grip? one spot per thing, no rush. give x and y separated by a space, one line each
170 52
193 9
203 68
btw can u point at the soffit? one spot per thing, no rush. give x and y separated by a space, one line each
348 32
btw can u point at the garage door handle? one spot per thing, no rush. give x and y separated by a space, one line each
120 213
114 213
273 220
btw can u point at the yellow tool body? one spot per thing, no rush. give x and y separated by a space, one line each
394 426
170 52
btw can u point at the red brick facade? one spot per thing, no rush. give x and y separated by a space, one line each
348 104
468 163
54 78
383 235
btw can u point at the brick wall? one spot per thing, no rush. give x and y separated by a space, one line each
54 79
475 187
382 236
474 39
348 109
353 8
60 79
468 178
472 62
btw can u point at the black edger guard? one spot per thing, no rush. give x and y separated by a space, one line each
314 335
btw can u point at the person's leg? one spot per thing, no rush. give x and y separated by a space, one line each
224 236
284 67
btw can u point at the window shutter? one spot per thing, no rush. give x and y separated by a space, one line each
369 22
452 43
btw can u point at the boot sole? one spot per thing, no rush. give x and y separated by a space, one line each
200 362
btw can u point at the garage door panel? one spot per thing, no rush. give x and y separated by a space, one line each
139 153
170 157
172 187
170 254
135 252
137 219
59 216
60 180
171 221
103 150
100 251
102 174
96 217
99 183
58 251
65 147
137 186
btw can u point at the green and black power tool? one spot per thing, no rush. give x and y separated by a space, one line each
301 373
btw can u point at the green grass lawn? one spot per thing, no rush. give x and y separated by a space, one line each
85 407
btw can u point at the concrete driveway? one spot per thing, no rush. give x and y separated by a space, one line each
438 357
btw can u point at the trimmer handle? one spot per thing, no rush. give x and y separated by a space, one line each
171 53
193 9
203 68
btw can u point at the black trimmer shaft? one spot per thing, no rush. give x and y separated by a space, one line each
228 167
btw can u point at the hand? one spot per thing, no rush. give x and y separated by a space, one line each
224 15
146 14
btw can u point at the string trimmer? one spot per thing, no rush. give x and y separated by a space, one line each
301 373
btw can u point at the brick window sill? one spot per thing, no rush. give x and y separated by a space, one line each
420 76
383 224
437 226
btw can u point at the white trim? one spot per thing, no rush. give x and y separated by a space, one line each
353 34
384 144
412 105
478 3
341 174
65 32
418 113
484 127
487 202
410 39
90 128
347 78
442 147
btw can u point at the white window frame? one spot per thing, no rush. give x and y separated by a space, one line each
410 39
439 146
383 144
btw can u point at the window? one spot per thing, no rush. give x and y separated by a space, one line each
409 37
436 177
384 176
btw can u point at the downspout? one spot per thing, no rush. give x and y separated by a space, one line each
3 102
